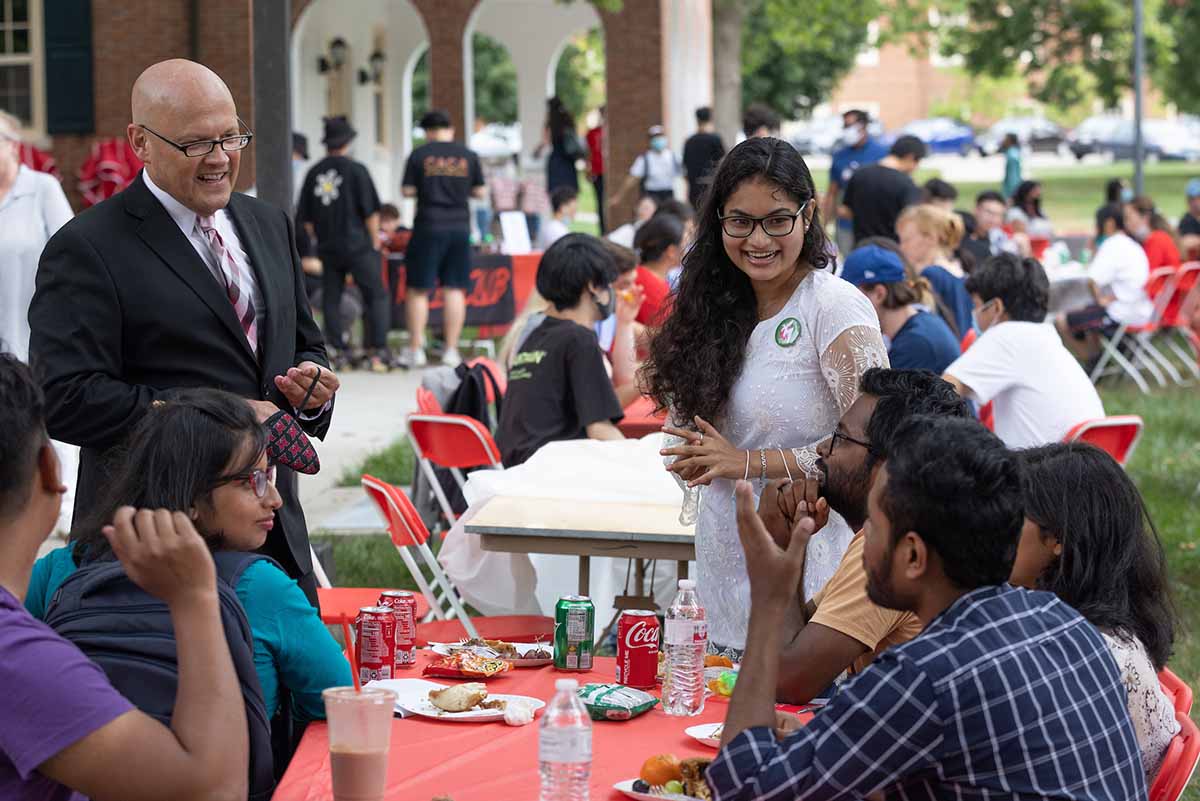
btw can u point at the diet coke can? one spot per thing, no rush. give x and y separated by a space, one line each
637 648
405 604
375 643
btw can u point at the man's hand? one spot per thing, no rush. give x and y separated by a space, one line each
784 501
295 383
774 572
162 553
785 724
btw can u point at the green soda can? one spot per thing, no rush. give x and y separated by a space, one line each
574 632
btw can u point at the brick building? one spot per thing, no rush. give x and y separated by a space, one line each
70 84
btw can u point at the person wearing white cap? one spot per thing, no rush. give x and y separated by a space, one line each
654 171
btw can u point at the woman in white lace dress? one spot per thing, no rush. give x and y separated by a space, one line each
1089 540
762 353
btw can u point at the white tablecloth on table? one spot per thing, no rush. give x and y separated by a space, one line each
629 471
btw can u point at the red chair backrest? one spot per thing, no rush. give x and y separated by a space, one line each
427 402
1116 436
403 521
1175 689
968 340
1185 282
1038 246
500 376
1159 280
1179 762
453 440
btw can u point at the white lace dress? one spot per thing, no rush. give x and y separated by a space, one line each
794 386
1151 711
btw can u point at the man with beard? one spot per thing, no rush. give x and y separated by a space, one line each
1006 691
840 628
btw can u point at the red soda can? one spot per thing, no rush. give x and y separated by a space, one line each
405 605
375 643
637 648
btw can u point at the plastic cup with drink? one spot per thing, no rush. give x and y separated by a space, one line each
360 732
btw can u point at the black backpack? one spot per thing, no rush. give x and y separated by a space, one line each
128 633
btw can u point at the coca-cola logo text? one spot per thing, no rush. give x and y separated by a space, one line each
642 635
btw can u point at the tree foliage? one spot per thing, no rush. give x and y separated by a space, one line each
495 81
1178 64
579 78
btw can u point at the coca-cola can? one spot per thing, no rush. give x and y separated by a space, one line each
637 648
405 604
375 643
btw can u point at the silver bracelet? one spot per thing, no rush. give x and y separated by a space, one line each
762 455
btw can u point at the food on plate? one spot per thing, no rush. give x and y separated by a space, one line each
494 703
673 787
715 660
660 769
460 698
615 701
466 664
539 652
518 714
694 783
723 685
502 649
717 732
640 786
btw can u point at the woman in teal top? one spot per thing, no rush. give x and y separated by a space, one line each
1011 148
205 453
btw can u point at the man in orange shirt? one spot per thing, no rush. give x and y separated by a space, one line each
841 629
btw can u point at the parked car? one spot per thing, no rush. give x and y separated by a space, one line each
1094 135
941 135
1035 133
824 135
1169 140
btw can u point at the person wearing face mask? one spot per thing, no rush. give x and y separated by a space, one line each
1018 362
564 202
858 149
1151 229
558 387
654 171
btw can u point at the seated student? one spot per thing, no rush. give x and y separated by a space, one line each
987 238
659 245
1025 216
564 202
63 727
1019 362
623 234
1189 223
841 629
1089 540
1118 275
1153 232
558 387
918 340
929 239
1006 692
204 451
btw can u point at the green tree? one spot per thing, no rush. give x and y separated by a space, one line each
495 81
1178 65
579 77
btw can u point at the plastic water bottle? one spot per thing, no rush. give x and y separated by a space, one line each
685 634
565 745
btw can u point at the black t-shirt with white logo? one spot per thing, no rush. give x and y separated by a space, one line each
443 173
337 197
876 195
557 387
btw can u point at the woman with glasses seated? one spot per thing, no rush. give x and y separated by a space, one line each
762 353
204 452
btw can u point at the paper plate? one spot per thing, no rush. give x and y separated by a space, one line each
447 648
626 787
707 733
412 697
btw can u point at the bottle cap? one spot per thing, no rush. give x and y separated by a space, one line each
687 584
570 685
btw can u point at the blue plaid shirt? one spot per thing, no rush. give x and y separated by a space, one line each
1007 694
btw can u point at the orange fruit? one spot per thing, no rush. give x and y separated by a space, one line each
660 769
712 660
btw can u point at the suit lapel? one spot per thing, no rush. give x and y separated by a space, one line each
252 243
159 231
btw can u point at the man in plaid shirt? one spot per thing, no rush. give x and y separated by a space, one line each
1006 693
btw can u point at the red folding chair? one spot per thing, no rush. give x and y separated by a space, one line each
427 402
1179 762
1175 689
1136 340
452 441
1117 436
1177 332
451 622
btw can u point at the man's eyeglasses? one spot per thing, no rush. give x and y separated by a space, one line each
202 147
739 226
258 480
839 435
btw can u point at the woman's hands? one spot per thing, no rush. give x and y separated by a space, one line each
704 455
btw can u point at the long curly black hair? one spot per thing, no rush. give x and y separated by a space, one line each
697 356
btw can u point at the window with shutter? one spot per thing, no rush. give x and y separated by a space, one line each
21 63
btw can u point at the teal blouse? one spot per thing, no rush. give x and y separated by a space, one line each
292 647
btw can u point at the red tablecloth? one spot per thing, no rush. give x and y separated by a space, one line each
494 761
640 419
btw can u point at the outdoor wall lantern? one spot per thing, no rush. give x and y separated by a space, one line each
374 71
336 58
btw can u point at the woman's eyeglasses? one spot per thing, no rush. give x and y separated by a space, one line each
740 226
258 480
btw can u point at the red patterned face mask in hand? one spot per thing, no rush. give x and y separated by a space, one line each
288 445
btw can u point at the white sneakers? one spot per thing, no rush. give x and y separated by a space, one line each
410 358
451 358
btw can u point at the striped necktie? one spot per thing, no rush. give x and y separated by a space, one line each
237 284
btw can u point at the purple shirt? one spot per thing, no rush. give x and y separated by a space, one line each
53 697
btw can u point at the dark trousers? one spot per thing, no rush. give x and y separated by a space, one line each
366 269
598 185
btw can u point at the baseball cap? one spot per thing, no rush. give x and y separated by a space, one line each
1193 188
872 264
656 130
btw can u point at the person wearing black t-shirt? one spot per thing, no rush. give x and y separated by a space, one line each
1189 223
340 209
558 387
701 152
877 193
443 176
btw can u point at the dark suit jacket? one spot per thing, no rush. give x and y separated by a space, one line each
125 311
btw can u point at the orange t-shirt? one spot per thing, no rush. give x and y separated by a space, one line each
843 605
1161 251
